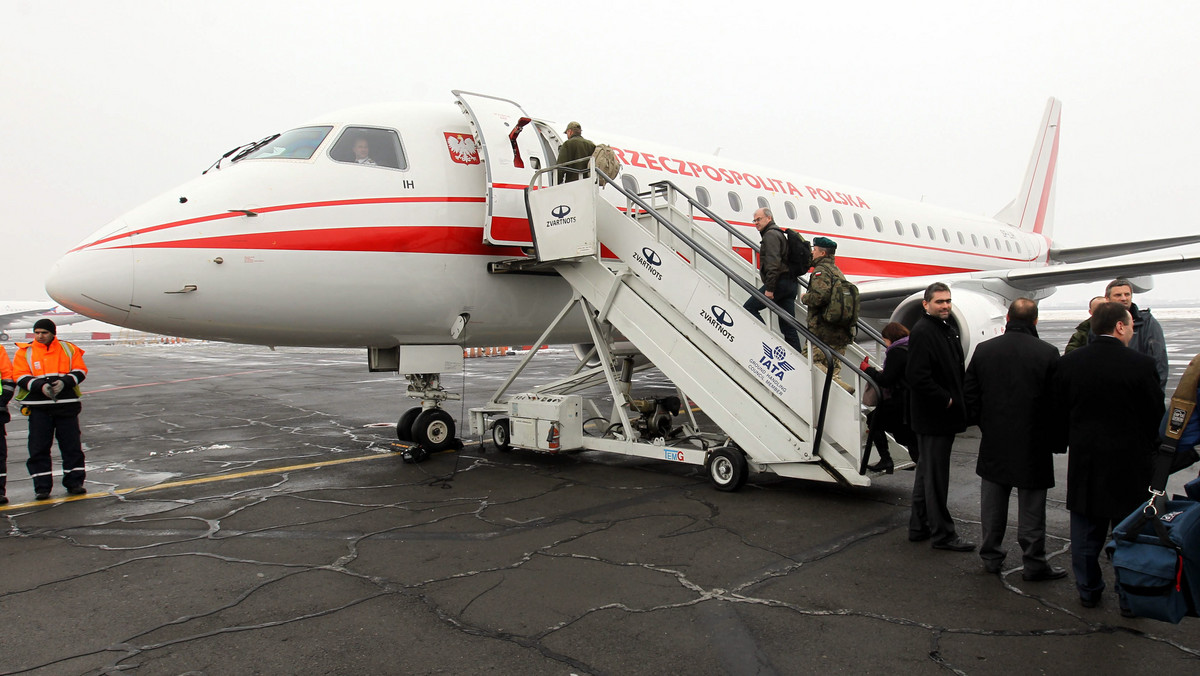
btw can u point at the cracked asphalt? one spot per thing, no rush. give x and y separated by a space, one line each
249 513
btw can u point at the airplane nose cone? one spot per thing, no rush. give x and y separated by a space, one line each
96 283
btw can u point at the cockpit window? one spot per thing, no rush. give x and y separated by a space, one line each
297 144
370 147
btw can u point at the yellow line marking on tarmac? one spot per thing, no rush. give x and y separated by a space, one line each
201 480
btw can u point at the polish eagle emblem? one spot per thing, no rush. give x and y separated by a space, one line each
462 148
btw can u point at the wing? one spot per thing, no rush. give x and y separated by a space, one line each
879 297
9 320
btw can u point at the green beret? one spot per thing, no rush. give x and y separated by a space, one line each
825 243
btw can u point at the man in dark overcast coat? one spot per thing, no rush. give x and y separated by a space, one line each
1109 398
1007 391
935 383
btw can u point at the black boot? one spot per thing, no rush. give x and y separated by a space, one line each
885 463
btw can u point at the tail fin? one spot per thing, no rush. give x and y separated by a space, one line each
1033 208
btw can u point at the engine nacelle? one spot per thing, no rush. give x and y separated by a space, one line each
978 316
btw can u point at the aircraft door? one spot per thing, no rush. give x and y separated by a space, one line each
512 148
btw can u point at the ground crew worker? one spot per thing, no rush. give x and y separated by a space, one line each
8 381
820 290
575 150
48 373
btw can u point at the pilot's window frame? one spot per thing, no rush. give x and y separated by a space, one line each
814 213
790 209
703 197
735 202
288 151
385 148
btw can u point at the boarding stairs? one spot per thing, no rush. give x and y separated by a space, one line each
669 286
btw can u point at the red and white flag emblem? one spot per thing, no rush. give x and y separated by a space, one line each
462 148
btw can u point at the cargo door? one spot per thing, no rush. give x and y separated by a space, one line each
512 148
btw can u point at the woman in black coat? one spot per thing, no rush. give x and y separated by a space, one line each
891 415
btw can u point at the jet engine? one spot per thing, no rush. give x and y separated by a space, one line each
978 316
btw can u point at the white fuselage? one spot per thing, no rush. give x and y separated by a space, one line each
321 251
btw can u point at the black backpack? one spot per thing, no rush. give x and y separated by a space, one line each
799 253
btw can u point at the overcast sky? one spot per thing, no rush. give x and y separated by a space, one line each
107 104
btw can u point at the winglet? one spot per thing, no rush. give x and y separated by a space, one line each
1033 208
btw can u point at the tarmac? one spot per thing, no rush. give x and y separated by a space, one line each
249 512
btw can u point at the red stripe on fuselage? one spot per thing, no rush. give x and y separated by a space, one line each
435 239
284 207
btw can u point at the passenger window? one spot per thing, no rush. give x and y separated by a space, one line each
974 241
297 144
815 213
837 218
1008 245
763 203
858 221
916 230
961 241
878 225
946 235
932 234
370 147
997 241
791 210
735 201
702 196
987 244
629 183
899 228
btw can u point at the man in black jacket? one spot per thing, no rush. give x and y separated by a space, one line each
1007 391
779 284
1109 399
935 384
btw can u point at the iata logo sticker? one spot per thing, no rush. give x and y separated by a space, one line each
719 319
462 148
771 367
649 260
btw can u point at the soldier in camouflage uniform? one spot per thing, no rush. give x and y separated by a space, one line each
820 287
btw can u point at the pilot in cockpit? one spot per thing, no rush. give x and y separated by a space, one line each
362 152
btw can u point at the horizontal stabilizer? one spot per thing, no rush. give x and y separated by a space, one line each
1091 253
1079 273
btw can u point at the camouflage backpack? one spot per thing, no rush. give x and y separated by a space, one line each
606 160
842 309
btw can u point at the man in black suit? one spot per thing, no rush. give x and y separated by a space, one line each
1109 399
1007 391
938 411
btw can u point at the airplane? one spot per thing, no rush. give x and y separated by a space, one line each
296 240
18 314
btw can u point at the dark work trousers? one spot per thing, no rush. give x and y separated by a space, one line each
3 453
1031 524
1088 535
931 486
786 289
46 423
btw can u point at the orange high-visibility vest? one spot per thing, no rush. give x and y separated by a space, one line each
35 360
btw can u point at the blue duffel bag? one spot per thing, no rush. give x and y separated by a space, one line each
1156 558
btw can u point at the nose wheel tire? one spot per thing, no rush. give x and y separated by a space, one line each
501 435
727 469
404 428
433 430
